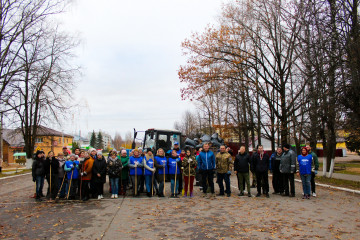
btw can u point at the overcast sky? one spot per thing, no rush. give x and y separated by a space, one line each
130 54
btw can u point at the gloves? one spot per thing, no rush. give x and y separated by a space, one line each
190 160
34 180
82 174
229 172
136 164
72 168
316 172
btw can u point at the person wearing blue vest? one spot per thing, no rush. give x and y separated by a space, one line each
148 163
162 170
71 168
305 164
174 165
135 165
206 164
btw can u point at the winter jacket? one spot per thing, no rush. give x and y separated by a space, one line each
125 167
61 171
260 164
161 163
206 160
38 167
72 169
242 163
54 166
315 162
275 162
288 162
149 165
139 168
185 164
174 165
114 168
223 162
305 163
99 166
87 169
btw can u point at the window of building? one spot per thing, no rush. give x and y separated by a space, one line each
38 140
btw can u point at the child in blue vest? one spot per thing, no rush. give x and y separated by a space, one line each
149 172
174 165
162 170
135 165
305 163
71 168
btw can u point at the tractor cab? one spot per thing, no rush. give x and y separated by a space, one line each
161 138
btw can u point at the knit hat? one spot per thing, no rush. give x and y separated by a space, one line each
286 145
99 153
72 155
92 149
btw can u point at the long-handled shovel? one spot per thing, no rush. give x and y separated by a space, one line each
72 172
136 186
58 194
175 179
164 182
189 180
81 179
152 184
50 181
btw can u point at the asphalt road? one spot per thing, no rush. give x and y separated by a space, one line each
332 215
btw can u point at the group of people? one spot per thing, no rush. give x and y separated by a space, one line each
83 173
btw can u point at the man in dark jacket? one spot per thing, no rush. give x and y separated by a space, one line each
38 173
288 168
241 168
51 165
260 165
277 180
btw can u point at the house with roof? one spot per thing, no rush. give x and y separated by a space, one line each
47 140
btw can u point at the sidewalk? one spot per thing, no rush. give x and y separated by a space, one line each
355 178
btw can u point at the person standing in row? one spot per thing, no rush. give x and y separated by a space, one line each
277 180
124 180
38 173
206 164
288 168
189 164
114 168
261 167
99 174
305 162
314 169
241 167
162 170
174 172
223 167
62 180
148 163
86 175
51 165
72 169
135 165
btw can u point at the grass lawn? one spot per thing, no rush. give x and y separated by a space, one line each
338 182
352 168
20 171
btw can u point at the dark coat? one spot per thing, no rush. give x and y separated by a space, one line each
38 167
242 163
260 165
99 167
54 166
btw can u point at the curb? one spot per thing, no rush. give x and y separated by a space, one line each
333 187
19 175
